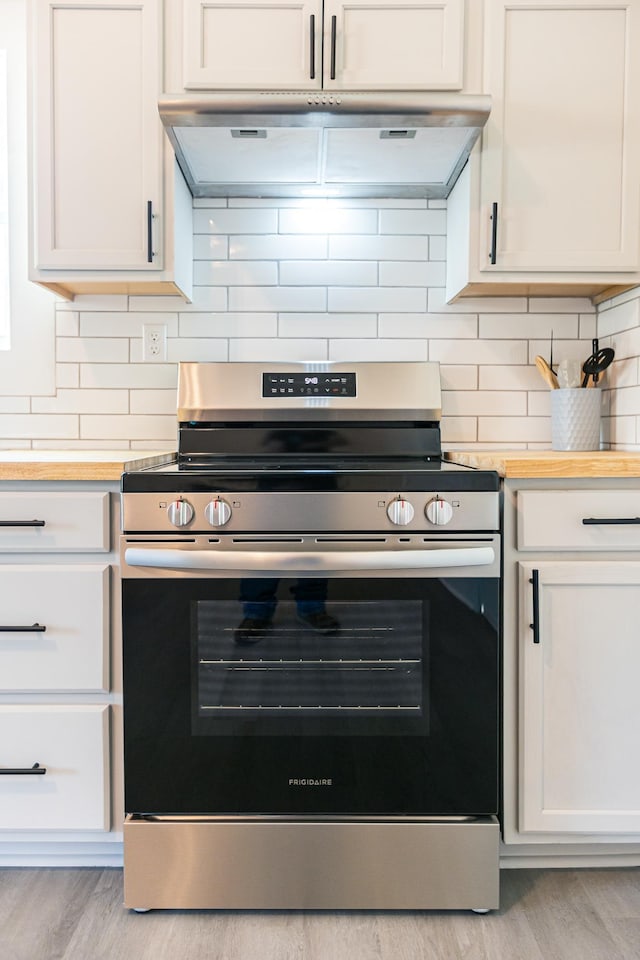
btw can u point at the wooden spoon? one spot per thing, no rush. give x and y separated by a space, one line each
547 373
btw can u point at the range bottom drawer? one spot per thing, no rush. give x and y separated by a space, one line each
71 744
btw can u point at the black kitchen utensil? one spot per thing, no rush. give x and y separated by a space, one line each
596 363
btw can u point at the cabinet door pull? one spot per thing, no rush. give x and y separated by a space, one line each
494 233
312 46
618 521
22 523
12 771
334 23
149 231
34 628
535 626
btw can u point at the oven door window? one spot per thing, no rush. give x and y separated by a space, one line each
269 666
388 707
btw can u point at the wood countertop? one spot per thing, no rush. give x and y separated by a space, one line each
551 464
76 464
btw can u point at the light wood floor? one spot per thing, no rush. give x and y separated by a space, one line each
65 914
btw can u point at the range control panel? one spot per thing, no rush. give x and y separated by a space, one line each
318 512
308 384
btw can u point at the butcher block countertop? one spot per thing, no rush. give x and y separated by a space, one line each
550 464
76 464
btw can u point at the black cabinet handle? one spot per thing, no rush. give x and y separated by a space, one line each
333 47
149 231
34 628
312 46
22 523
611 521
535 626
494 233
12 771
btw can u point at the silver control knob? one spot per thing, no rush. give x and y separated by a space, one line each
400 512
439 511
217 512
180 513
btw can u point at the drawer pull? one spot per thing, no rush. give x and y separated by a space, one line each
13 771
22 523
34 628
535 626
619 521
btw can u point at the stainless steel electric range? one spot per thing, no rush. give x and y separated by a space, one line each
311 649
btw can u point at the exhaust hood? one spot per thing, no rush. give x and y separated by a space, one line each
326 144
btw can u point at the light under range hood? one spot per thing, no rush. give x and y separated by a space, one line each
338 144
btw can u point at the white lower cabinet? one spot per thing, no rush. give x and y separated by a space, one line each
70 745
571 663
579 703
60 783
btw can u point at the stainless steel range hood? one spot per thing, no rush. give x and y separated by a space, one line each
338 143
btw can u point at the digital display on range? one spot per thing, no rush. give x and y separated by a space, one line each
309 384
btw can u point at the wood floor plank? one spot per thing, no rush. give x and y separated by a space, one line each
64 914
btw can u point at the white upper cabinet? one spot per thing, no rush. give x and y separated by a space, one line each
554 194
290 45
102 181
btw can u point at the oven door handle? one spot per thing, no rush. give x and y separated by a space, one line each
310 564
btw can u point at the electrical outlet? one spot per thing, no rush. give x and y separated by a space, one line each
154 342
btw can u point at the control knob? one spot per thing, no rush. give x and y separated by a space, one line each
217 512
400 512
439 511
180 513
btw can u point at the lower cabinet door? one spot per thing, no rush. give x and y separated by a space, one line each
71 745
579 716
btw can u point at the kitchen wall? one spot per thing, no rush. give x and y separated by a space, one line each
288 280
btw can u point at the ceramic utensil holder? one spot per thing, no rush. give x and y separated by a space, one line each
575 419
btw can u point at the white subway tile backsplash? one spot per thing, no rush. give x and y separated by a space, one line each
316 280
479 351
277 247
138 427
85 350
257 299
236 273
278 350
413 221
328 272
411 274
213 246
360 350
375 299
128 376
229 325
379 248
468 403
197 348
429 325
327 325
523 326
328 220
235 221
83 401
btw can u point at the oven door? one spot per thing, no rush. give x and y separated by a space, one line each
366 682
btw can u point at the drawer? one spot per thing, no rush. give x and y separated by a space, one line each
72 744
60 616
54 522
578 519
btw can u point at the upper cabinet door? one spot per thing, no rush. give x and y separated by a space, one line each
288 45
97 137
393 44
561 149
260 45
